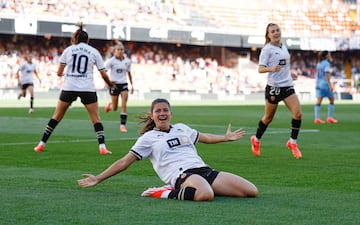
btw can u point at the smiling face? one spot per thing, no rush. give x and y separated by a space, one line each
119 51
273 33
161 114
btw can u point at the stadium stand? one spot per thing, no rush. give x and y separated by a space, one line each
297 18
156 66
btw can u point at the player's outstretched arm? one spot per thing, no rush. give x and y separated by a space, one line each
120 165
229 136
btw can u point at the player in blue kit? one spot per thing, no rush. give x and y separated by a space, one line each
324 88
172 152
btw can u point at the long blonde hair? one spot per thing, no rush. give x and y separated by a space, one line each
267 39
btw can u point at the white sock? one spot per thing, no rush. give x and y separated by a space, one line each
165 194
293 141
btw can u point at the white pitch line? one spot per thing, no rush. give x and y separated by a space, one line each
288 130
278 131
66 141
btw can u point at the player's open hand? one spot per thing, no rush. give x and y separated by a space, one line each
89 180
234 135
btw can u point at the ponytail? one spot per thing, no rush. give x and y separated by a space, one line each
80 35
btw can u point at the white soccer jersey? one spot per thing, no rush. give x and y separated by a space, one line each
170 153
272 55
80 60
118 69
27 72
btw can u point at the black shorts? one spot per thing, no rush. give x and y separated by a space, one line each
86 97
25 86
276 94
206 172
120 88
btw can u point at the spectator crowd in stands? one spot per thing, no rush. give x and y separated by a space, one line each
169 67
92 11
297 17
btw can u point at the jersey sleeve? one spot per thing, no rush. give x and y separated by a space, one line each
108 65
142 147
264 56
63 57
327 68
99 62
21 66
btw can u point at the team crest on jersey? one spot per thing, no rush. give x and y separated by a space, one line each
272 98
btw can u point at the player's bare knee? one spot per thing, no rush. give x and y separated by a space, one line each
252 192
267 120
203 195
298 115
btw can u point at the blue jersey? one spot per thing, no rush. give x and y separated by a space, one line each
322 84
321 70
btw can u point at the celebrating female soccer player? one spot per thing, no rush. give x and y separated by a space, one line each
79 58
172 152
275 60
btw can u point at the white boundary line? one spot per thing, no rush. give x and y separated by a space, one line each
275 131
65 141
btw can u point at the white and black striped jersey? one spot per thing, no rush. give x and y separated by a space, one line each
80 60
170 153
119 69
27 72
272 55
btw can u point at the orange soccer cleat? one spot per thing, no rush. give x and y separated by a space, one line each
39 148
319 121
123 128
104 151
294 149
158 192
255 146
331 120
108 107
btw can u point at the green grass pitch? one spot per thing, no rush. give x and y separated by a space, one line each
41 188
